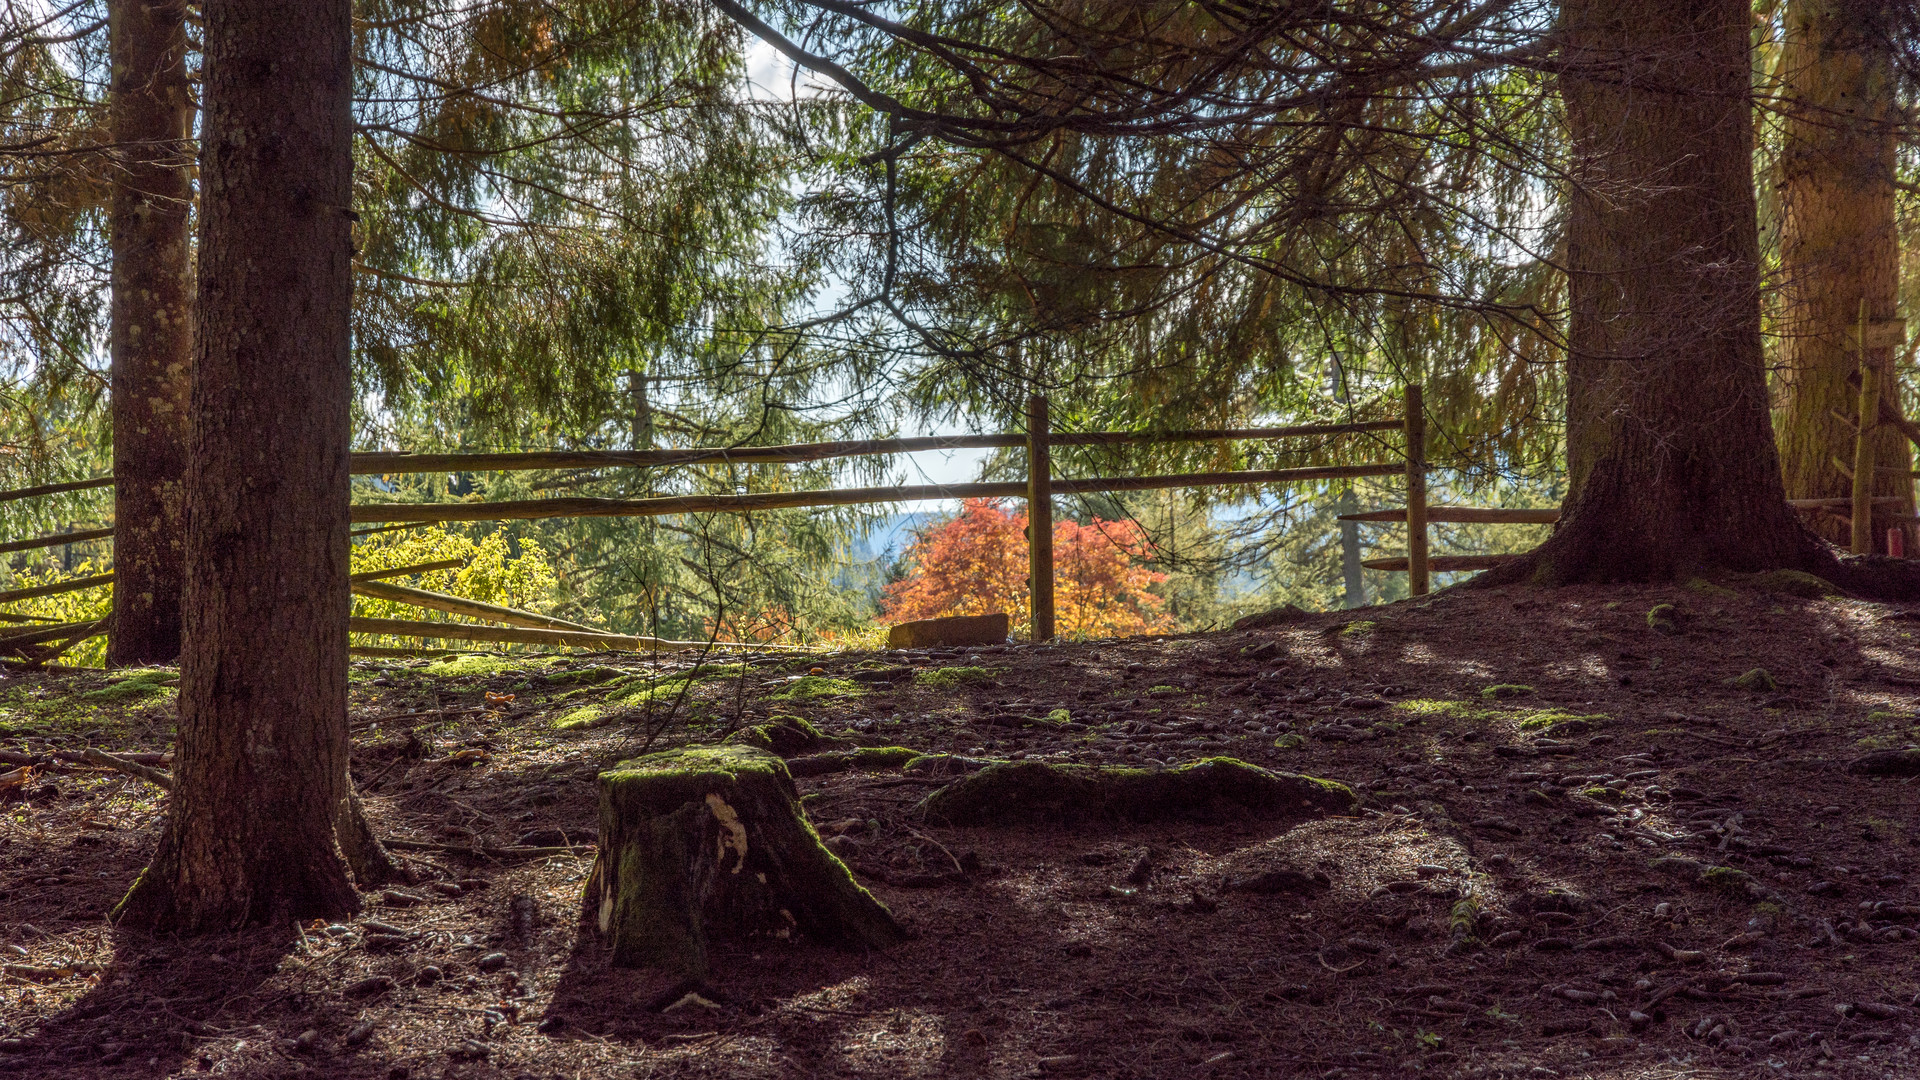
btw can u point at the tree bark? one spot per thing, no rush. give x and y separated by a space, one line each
261 772
151 336
1838 247
1671 459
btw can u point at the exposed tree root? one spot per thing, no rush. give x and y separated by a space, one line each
1217 788
1583 556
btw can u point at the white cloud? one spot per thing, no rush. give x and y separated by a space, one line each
770 76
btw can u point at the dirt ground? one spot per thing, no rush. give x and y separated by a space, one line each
1588 848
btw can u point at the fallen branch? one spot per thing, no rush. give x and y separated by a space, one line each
46 655
93 756
493 852
12 641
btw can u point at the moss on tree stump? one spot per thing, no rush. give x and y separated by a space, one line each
785 736
1213 789
710 842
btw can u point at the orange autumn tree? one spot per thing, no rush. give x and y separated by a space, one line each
976 564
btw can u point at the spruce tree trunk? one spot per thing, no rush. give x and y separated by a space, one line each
1671 460
1838 247
151 338
261 771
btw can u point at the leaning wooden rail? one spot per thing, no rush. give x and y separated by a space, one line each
57 587
460 605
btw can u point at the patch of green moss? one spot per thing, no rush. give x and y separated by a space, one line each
648 691
1359 628
1882 715
1537 719
1506 690
858 759
135 687
1604 794
1728 882
952 678
1442 709
1663 617
1756 681
1796 583
664 782
1889 742
586 676
810 687
1463 918
1708 588
786 736
454 667
1289 741
588 716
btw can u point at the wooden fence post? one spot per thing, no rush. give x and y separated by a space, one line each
1416 431
1039 519
1863 447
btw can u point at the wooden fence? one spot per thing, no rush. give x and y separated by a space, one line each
1037 489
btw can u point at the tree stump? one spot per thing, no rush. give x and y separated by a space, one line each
711 842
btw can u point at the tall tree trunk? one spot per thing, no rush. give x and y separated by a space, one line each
1838 247
261 771
152 332
1670 448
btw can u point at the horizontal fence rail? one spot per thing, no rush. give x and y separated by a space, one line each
786 500
1464 514
373 464
55 489
57 587
1038 489
55 540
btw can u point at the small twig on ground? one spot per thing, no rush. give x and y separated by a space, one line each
95 756
943 848
382 774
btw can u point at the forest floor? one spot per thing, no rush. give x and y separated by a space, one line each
1584 851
